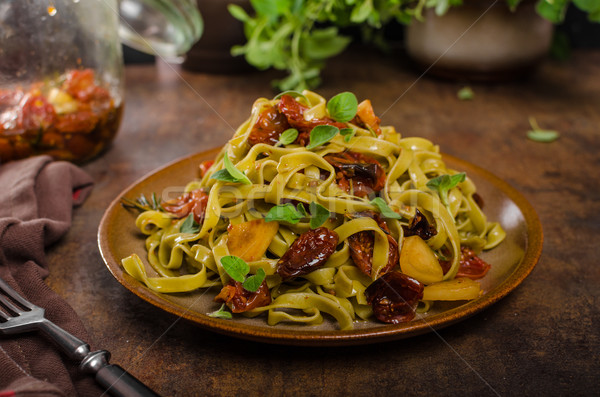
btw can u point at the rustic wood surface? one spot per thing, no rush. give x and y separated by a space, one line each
542 339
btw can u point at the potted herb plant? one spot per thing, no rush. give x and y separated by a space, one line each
299 36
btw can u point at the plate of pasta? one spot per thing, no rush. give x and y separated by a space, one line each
317 225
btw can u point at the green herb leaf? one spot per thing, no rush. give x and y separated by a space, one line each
319 215
189 225
235 267
324 43
384 209
540 135
284 213
321 134
221 313
347 133
443 183
302 210
343 107
552 10
465 94
254 282
141 204
288 136
230 173
238 12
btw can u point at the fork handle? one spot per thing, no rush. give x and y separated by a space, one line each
74 347
114 379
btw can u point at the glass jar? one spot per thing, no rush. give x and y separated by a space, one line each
61 69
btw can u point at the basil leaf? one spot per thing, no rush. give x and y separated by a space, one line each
221 313
230 173
283 213
235 267
543 135
443 183
223 175
321 134
465 94
319 215
254 282
288 136
189 225
238 12
324 43
343 107
347 133
302 210
384 209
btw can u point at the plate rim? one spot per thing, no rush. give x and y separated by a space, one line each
269 334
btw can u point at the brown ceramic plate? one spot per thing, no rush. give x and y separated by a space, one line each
511 262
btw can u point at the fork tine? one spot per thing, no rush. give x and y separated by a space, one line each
14 295
8 304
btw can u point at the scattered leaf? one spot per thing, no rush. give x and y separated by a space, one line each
321 134
384 209
254 282
235 267
189 225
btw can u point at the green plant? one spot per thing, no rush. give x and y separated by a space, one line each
298 36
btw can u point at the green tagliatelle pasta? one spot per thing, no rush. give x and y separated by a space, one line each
184 259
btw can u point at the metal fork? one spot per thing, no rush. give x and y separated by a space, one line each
18 315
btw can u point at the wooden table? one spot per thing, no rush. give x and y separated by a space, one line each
542 339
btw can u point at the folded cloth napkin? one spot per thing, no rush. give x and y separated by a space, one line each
36 200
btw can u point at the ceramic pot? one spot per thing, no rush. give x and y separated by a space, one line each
483 40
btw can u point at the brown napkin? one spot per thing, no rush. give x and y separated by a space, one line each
36 200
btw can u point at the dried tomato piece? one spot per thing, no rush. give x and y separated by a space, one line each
37 115
365 117
294 112
192 202
269 126
394 297
470 265
80 84
366 174
361 246
79 122
307 253
204 166
239 299
419 226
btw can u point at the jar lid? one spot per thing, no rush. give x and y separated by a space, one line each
164 28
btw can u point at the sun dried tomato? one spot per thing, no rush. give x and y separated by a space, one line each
36 116
192 202
294 112
365 117
269 126
470 265
419 226
307 253
361 246
79 122
204 166
366 174
239 299
394 297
